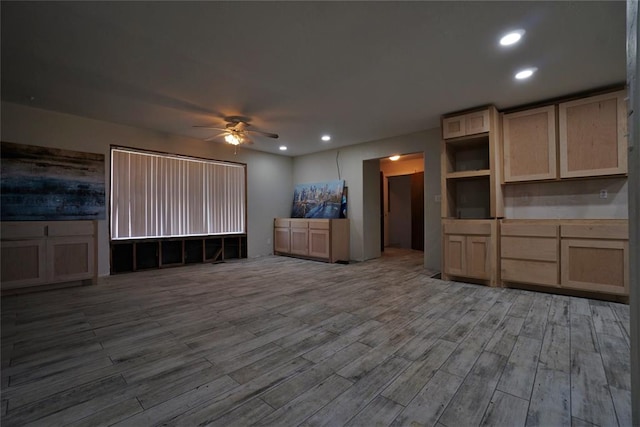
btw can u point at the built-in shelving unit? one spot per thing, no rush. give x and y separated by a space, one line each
135 255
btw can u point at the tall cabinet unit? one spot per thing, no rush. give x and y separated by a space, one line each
471 194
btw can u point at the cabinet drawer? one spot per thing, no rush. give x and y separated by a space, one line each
281 222
461 227
319 224
533 230
23 230
70 228
596 231
529 248
534 272
303 223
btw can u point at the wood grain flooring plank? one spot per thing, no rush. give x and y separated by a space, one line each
473 396
379 413
590 396
342 341
31 412
583 334
297 385
414 378
622 404
550 403
556 350
423 341
505 410
604 321
559 311
210 410
465 355
535 323
429 404
341 409
307 403
519 373
463 327
521 305
505 335
244 415
176 406
616 361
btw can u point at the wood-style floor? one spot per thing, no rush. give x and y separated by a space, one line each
283 342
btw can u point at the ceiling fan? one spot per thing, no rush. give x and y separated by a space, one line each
237 131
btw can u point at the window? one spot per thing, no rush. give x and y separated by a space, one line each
161 195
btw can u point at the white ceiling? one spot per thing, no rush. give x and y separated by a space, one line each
359 71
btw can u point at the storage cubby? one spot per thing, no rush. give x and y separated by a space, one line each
146 255
121 258
469 154
172 252
471 184
193 251
133 255
213 249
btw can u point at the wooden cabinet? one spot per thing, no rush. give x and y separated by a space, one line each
48 252
470 249
595 257
281 235
592 136
470 159
584 255
590 140
466 124
529 139
321 239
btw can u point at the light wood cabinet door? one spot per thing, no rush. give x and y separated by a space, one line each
23 263
595 265
478 258
319 243
592 136
454 255
530 145
299 241
70 258
281 239
466 124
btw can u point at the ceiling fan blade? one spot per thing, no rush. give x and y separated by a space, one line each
210 127
267 134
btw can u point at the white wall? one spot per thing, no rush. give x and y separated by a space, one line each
269 184
567 199
364 214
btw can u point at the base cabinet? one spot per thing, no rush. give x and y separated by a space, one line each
39 253
469 249
582 255
321 239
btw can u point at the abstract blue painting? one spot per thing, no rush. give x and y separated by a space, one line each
318 200
39 183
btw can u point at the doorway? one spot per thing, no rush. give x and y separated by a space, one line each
402 202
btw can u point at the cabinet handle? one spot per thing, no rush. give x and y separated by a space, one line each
46 230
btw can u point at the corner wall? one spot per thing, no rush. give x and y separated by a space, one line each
363 210
269 185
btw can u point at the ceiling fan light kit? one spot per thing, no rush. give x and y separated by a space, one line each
236 131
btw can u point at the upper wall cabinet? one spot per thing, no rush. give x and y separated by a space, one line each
466 124
592 136
530 144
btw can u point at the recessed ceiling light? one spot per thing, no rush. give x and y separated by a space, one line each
526 73
394 158
512 37
326 137
283 148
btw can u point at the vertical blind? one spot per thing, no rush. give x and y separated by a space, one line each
156 195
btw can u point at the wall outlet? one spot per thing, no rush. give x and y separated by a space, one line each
268 240
603 194
437 198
